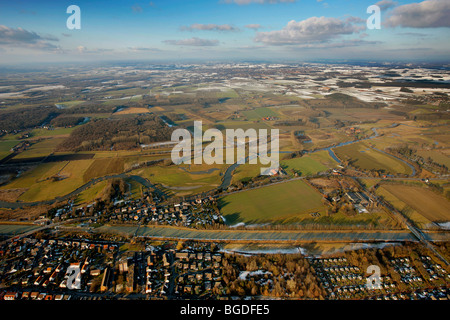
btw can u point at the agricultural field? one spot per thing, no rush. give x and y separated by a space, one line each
90 194
13 229
246 171
50 180
309 164
309 119
369 183
412 134
69 104
258 113
103 167
114 154
422 205
242 125
378 219
359 114
230 93
184 179
134 189
39 173
322 138
35 133
5 147
362 156
132 161
271 203
42 148
439 156
125 111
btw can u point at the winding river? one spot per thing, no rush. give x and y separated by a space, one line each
226 180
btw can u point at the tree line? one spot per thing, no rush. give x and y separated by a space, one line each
116 134
21 119
280 275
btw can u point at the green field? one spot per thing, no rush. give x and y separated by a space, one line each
309 164
132 161
244 125
184 179
103 167
267 204
40 173
13 229
227 94
436 155
5 147
259 113
246 171
361 156
68 104
50 133
90 194
398 204
40 185
40 149
418 203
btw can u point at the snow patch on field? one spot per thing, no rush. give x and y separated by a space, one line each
240 224
445 225
244 274
249 251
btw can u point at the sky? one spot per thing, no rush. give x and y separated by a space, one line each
224 30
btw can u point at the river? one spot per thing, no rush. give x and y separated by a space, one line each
226 181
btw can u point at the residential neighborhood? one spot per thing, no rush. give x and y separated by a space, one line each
70 266
199 212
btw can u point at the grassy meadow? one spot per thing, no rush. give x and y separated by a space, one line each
271 203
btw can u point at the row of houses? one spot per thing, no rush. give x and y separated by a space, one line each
186 213
32 295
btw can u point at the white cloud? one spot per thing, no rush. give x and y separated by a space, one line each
11 35
20 37
254 26
311 30
143 49
352 19
209 27
386 4
85 50
81 49
425 14
193 42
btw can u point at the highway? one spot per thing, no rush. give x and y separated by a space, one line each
45 227
423 238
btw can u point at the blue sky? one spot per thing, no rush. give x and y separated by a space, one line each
207 30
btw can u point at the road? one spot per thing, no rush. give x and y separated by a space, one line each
52 225
424 239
